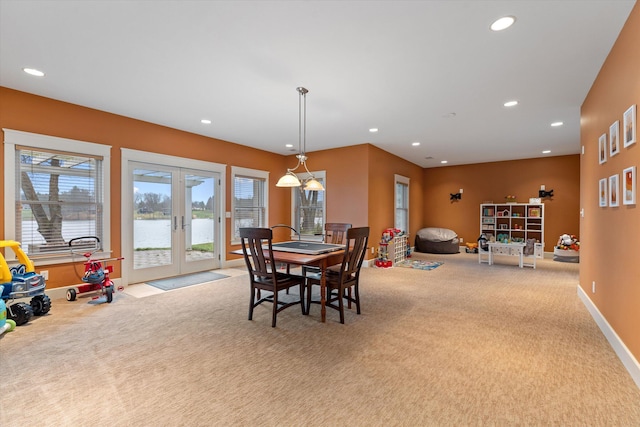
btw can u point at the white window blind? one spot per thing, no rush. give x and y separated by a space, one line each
402 203
60 198
249 203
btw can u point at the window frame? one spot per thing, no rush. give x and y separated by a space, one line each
295 197
403 180
237 171
13 138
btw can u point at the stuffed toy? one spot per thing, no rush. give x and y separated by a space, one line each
567 242
483 242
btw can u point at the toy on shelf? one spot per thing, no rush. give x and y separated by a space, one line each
383 256
96 271
392 248
22 281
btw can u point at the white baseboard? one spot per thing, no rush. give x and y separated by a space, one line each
623 353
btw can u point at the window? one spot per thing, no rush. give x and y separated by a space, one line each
249 203
402 203
309 209
58 193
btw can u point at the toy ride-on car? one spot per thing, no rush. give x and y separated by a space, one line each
22 281
96 271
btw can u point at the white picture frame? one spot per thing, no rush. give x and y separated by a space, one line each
602 193
629 126
629 186
614 191
614 138
602 148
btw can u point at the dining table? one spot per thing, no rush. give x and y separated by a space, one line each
303 257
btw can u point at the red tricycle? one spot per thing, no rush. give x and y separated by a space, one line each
96 271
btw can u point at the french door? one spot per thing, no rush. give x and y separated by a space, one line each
173 220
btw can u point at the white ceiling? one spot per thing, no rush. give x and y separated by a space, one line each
400 66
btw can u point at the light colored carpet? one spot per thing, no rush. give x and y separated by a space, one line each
464 344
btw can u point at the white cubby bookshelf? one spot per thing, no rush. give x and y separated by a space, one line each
515 221
398 248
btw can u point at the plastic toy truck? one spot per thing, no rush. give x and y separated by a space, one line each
21 281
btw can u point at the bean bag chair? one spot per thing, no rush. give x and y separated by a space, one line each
437 241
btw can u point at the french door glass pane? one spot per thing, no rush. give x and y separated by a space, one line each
199 218
152 218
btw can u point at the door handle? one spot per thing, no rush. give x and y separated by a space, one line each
175 223
182 224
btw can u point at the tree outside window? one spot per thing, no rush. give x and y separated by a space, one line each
60 198
309 209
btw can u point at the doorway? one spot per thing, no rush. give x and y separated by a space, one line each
172 225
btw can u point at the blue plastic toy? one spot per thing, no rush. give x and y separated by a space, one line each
6 325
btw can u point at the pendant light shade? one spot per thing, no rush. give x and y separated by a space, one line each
313 185
290 179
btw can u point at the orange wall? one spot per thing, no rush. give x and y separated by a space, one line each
30 113
346 183
383 167
360 184
491 182
610 251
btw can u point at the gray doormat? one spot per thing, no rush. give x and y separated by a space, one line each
186 280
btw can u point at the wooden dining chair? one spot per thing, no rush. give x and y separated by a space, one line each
263 273
341 281
334 233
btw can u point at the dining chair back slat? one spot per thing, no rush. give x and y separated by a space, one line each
336 232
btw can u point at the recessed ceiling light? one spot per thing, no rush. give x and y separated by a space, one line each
556 124
289 145
33 72
511 103
373 130
415 144
205 121
546 151
444 162
503 23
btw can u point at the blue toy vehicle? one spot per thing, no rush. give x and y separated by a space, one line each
21 281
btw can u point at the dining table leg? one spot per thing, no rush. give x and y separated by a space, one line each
323 291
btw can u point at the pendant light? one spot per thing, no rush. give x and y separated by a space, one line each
290 179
